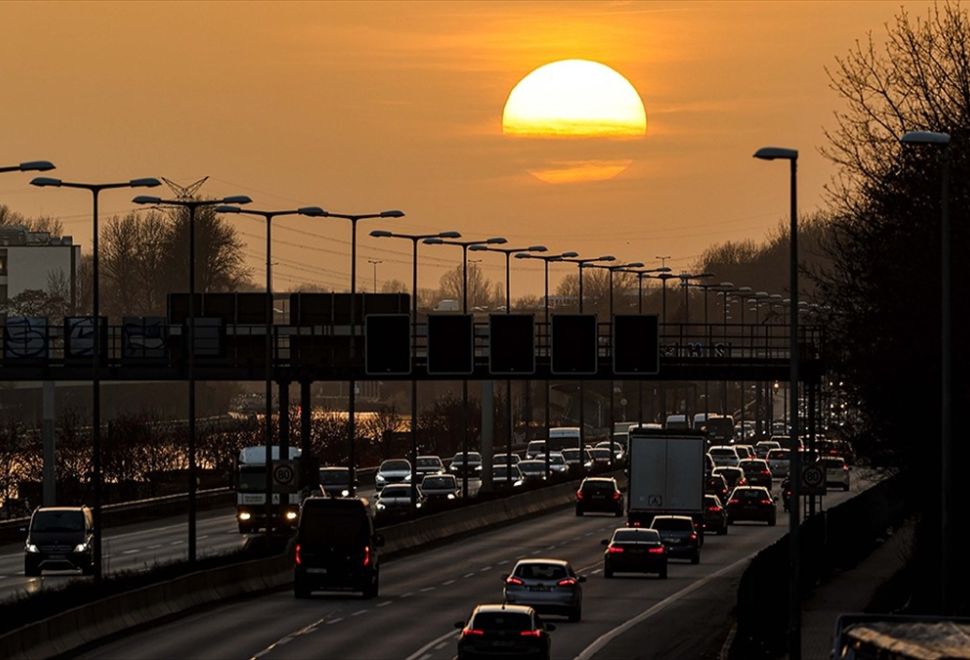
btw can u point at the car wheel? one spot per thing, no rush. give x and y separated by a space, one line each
576 615
695 558
300 590
371 590
663 573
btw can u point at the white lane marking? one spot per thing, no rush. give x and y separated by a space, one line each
440 646
289 638
422 653
502 563
131 552
359 612
487 568
157 545
447 582
427 589
468 575
204 536
384 604
596 571
600 642
333 621
407 595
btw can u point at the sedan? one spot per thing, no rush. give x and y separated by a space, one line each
397 498
440 488
779 461
533 471
503 459
393 471
428 465
717 485
836 471
503 479
734 476
335 481
506 631
599 494
715 515
751 503
679 535
572 457
457 464
548 585
634 550
756 472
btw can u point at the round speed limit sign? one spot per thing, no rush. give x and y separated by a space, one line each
283 474
813 477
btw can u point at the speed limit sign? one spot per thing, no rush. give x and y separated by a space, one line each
813 480
283 474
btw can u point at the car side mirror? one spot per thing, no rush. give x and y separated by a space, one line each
581 578
605 542
379 540
549 627
459 624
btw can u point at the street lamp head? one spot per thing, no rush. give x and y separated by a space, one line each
381 233
478 247
635 264
148 199
662 269
393 213
775 296
434 240
449 234
537 248
568 255
228 209
726 285
147 182
495 240
312 211
925 137
44 181
608 257
524 255
236 199
776 153
761 294
744 289
36 166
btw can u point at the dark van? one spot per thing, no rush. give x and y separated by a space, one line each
336 547
60 538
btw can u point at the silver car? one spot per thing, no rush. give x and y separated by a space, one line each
547 585
779 461
393 471
397 497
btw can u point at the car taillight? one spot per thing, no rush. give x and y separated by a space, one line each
566 582
614 549
734 501
579 495
617 495
766 472
693 536
366 561
767 501
299 560
845 468
530 633
657 550
635 523
469 632
514 580
713 509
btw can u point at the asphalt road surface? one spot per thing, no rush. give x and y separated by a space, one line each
422 595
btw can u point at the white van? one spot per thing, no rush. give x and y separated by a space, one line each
564 437
676 423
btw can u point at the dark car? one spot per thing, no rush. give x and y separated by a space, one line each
335 481
634 550
504 631
457 464
440 488
503 479
548 585
715 515
680 536
425 465
716 484
756 472
751 503
336 547
60 538
533 471
734 476
599 494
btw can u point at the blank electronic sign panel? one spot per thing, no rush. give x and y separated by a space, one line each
387 344
511 347
573 344
451 344
636 344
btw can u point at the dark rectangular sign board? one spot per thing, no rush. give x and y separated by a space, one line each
511 344
574 347
636 345
387 344
451 344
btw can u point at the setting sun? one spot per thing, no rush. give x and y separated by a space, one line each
574 98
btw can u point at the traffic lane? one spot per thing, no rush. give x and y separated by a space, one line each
420 593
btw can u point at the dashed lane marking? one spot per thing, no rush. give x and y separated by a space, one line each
448 582
333 621
427 589
468 575
385 603
407 595
359 612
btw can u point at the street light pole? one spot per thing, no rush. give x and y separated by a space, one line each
96 467
191 205
415 239
794 640
464 245
942 141
374 263
284 441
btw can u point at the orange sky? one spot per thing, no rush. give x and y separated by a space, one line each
365 106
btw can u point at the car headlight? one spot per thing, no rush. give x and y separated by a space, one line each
32 548
381 506
451 496
245 515
80 547
345 493
417 505
379 479
291 515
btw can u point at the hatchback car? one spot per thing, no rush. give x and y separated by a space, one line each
836 471
533 471
756 472
440 488
548 585
716 484
762 448
679 535
634 550
503 459
428 465
601 457
724 456
751 503
715 515
557 463
504 631
734 476
504 479
60 538
599 494
392 471
397 497
779 462
457 464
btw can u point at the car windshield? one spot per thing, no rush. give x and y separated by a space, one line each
636 536
501 472
320 526
252 479
598 487
473 457
753 466
711 500
58 521
832 462
395 466
396 491
749 493
429 462
333 477
504 458
532 467
603 453
723 452
556 459
438 482
673 524
502 621
541 571
537 445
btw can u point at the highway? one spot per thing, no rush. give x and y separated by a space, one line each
422 595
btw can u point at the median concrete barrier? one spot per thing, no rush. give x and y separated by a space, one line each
63 633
